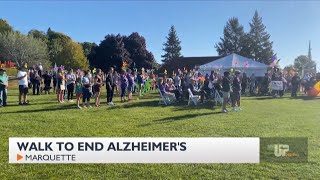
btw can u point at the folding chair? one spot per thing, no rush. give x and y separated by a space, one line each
218 98
164 99
193 98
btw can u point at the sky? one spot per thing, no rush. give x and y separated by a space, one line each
199 24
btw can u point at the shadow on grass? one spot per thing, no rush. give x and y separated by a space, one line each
262 98
138 103
60 108
177 118
206 105
305 98
185 117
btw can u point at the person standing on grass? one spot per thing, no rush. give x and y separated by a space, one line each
225 90
97 87
244 82
22 76
124 85
54 79
86 90
60 86
78 91
152 77
91 81
116 82
252 84
110 86
130 78
177 81
140 82
236 92
47 82
295 81
36 83
71 79
3 87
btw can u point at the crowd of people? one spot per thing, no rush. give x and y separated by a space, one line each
85 85
81 85
231 85
177 87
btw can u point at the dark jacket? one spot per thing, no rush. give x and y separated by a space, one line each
109 81
226 84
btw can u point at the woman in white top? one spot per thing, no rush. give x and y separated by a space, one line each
71 79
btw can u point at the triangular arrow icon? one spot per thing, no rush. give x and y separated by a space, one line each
19 157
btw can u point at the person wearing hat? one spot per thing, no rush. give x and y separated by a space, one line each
225 90
236 92
3 87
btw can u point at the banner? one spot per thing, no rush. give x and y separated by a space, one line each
134 150
277 85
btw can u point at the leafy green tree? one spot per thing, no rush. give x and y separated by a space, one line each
233 38
172 47
303 62
38 35
260 44
56 43
87 47
111 52
72 56
23 49
4 26
136 46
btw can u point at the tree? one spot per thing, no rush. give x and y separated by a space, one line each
87 46
172 47
136 46
233 38
38 35
72 56
303 62
4 26
111 52
56 42
260 44
23 49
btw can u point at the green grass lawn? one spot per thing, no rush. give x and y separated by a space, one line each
261 117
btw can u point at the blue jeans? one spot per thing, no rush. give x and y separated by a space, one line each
86 95
3 96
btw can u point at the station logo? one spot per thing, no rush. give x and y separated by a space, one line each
284 149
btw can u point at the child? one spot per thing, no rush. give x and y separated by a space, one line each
78 91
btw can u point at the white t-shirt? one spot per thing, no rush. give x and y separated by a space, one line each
23 81
177 81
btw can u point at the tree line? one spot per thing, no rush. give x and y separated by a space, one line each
114 50
53 47
255 44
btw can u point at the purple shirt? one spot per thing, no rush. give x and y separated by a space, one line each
130 78
124 81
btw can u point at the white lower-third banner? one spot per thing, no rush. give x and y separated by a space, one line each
134 150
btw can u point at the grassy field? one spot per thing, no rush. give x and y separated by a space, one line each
261 117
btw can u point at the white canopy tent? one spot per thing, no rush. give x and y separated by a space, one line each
236 62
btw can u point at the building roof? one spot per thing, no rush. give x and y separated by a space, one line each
188 62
